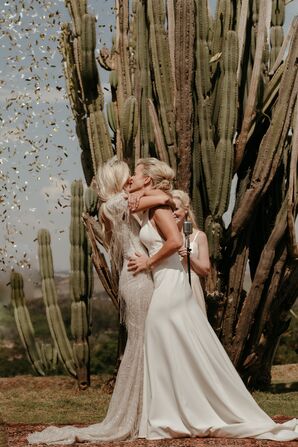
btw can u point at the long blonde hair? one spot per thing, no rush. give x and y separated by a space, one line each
161 174
110 178
186 205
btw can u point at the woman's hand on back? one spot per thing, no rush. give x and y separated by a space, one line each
137 263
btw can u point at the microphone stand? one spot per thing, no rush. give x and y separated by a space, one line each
187 230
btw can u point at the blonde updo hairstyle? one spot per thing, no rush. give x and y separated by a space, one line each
186 205
110 178
161 174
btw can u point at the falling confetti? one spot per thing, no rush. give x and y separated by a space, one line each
39 152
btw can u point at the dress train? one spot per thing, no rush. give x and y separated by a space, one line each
191 388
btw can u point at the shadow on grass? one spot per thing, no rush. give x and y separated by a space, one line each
278 388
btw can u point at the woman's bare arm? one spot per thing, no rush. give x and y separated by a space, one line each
149 199
167 227
200 265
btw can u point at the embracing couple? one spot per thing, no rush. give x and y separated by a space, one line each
175 379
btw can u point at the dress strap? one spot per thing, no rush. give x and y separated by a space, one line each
195 236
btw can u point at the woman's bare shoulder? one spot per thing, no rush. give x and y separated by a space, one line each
201 236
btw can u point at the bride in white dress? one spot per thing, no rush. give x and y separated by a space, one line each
191 388
121 234
199 255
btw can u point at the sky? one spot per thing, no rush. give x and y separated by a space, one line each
39 151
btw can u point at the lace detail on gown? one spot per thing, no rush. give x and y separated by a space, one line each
123 416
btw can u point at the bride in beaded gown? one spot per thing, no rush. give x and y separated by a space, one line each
123 416
191 388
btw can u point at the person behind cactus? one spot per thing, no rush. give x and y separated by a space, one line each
199 256
121 233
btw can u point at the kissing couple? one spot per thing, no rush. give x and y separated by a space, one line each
175 379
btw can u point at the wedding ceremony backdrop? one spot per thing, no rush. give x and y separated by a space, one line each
216 98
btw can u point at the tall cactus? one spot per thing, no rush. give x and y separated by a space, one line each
75 357
43 357
203 94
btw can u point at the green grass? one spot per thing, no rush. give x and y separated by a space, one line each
56 400
285 404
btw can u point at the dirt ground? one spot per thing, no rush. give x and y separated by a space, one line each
17 433
17 438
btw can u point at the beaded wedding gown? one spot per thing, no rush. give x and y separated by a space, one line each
191 388
123 416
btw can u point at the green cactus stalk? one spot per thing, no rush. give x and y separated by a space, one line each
224 153
35 353
142 83
184 44
163 81
81 284
89 73
203 87
53 312
252 98
273 142
129 127
276 30
75 357
83 82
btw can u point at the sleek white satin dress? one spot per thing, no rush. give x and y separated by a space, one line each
191 388
195 279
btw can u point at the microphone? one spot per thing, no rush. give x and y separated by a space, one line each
187 230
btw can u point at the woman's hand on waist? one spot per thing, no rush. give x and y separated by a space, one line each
138 263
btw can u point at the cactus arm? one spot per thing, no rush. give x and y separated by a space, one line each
172 41
270 96
235 288
184 58
159 140
143 84
163 81
224 154
53 312
272 144
203 88
24 324
77 8
292 197
122 24
251 303
80 285
241 31
276 30
250 110
283 49
88 68
129 127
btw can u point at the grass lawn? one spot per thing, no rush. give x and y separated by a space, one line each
56 400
